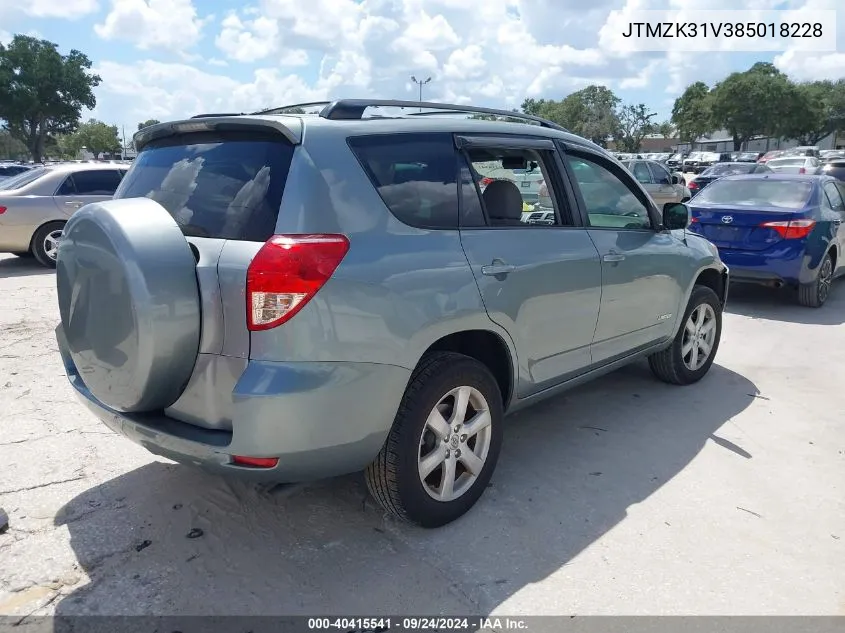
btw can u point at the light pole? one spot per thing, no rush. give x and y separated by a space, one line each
420 83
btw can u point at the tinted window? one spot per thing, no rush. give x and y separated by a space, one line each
833 197
12 170
415 175
68 187
96 182
214 185
515 187
661 174
607 199
21 180
641 173
784 194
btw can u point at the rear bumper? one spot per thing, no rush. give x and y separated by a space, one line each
320 419
777 266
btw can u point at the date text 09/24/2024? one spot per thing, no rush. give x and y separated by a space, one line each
769 30
410 624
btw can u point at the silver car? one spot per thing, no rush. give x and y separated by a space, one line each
36 204
662 185
291 297
794 164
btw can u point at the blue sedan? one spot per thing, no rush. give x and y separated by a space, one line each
776 230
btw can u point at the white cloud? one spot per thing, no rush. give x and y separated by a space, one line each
253 40
68 9
152 24
5 37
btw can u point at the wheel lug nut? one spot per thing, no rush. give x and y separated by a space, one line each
457 428
463 438
457 453
448 452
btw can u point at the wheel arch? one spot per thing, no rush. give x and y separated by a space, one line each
41 226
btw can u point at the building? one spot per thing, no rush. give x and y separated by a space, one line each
653 143
722 141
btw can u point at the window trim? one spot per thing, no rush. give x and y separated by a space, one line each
639 192
68 178
644 163
546 148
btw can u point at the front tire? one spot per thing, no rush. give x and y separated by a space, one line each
692 352
815 293
444 444
45 243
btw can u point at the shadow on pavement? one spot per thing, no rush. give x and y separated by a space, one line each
569 470
782 305
21 267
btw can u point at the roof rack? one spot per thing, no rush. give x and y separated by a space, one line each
353 109
281 109
214 114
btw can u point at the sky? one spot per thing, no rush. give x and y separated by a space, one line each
166 59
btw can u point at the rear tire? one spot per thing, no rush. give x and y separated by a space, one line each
45 243
700 331
815 293
461 450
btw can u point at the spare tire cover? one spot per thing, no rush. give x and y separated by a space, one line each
129 303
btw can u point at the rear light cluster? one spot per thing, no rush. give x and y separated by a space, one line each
692 185
791 230
2 210
801 170
286 274
486 181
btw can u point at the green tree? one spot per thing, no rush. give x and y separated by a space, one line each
97 137
148 123
813 110
43 92
665 129
752 103
11 148
64 146
634 125
591 113
691 114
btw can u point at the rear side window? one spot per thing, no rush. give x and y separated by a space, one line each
415 175
22 180
226 186
99 182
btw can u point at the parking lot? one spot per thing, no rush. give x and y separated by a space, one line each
627 496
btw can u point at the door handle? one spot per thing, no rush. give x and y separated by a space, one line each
613 257
73 203
498 267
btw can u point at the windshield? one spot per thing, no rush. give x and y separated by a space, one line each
21 180
779 194
728 169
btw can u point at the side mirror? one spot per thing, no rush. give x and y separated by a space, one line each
677 179
676 215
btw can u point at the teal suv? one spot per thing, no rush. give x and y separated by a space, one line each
291 297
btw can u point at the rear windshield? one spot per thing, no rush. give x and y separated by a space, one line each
727 169
225 186
783 194
21 180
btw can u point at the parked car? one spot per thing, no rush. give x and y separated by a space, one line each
776 153
748 157
833 167
662 185
708 159
803 150
794 164
675 162
831 154
381 314
720 170
690 162
35 204
776 230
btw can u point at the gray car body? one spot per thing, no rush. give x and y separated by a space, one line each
321 391
37 204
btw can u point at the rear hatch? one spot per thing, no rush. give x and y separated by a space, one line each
217 183
751 213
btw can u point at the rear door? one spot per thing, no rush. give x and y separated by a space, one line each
836 199
640 295
541 282
664 189
87 186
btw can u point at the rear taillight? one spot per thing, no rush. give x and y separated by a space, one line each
286 274
692 185
801 170
693 220
486 181
3 210
794 230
